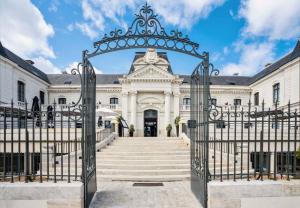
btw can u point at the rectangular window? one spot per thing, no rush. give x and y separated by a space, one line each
186 101
213 101
21 91
276 91
62 101
42 97
256 98
237 102
114 101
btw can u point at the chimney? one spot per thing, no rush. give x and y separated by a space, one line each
30 62
235 74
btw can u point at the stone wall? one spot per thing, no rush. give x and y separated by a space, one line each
266 194
42 195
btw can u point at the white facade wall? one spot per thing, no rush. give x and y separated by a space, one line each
10 74
288 76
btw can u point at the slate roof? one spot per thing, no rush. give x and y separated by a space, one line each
142 54
22 63
289 57
69 79
222 80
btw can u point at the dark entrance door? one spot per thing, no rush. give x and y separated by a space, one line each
150 123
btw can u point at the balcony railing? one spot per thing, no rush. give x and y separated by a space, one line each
115 107
185 107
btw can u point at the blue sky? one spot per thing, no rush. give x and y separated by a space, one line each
241 36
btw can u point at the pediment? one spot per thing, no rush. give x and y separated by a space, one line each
151 72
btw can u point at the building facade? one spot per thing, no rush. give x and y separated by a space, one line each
150 96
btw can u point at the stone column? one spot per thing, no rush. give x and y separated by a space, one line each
133 109
167 108
176 105
125 106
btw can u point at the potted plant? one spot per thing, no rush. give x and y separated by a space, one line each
169 129
177 121
131 130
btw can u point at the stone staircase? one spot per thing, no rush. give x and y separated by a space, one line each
144 160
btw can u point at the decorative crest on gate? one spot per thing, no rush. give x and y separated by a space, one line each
146 31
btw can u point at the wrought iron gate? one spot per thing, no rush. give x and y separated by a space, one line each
88 87
145 31
199 125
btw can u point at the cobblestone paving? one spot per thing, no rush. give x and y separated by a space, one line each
124 195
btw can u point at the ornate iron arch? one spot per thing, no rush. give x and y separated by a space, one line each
146 31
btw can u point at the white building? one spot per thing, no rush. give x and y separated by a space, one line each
150 96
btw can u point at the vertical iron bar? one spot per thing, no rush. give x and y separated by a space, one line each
61 144
255 142
214 146
4 142
26 146
69 180
261 142
54 138
19 145
228 142
47 138
248 145
33 145
234 146
242 142
275 145
75 121
269 137
12 142
41 146
289 131
221 155
281 147
295 142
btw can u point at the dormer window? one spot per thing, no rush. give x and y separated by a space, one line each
62 101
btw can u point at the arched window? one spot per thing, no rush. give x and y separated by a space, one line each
186 101
114 100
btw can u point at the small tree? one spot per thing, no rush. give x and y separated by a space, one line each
169 129
177 122
131 130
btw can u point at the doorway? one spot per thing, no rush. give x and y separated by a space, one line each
150 123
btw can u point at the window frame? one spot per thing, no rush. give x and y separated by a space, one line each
276 92
21 91
42 101
235 103
213 103
256 98
114 99
62 98
186 103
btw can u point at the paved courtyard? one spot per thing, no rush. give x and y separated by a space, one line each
125 195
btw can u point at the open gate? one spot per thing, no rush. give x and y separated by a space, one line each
199 125
145 32
88 92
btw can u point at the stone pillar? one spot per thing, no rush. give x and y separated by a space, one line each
133 109
176 105
167 108
125 106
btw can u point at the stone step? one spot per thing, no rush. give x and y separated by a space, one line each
108 152
142 157
144 178
142 172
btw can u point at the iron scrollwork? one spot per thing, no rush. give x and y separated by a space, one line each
146 31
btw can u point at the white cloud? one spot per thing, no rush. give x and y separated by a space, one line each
278 20
53 7
253 58
46 66
26 32
182 13
85 28
74 64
